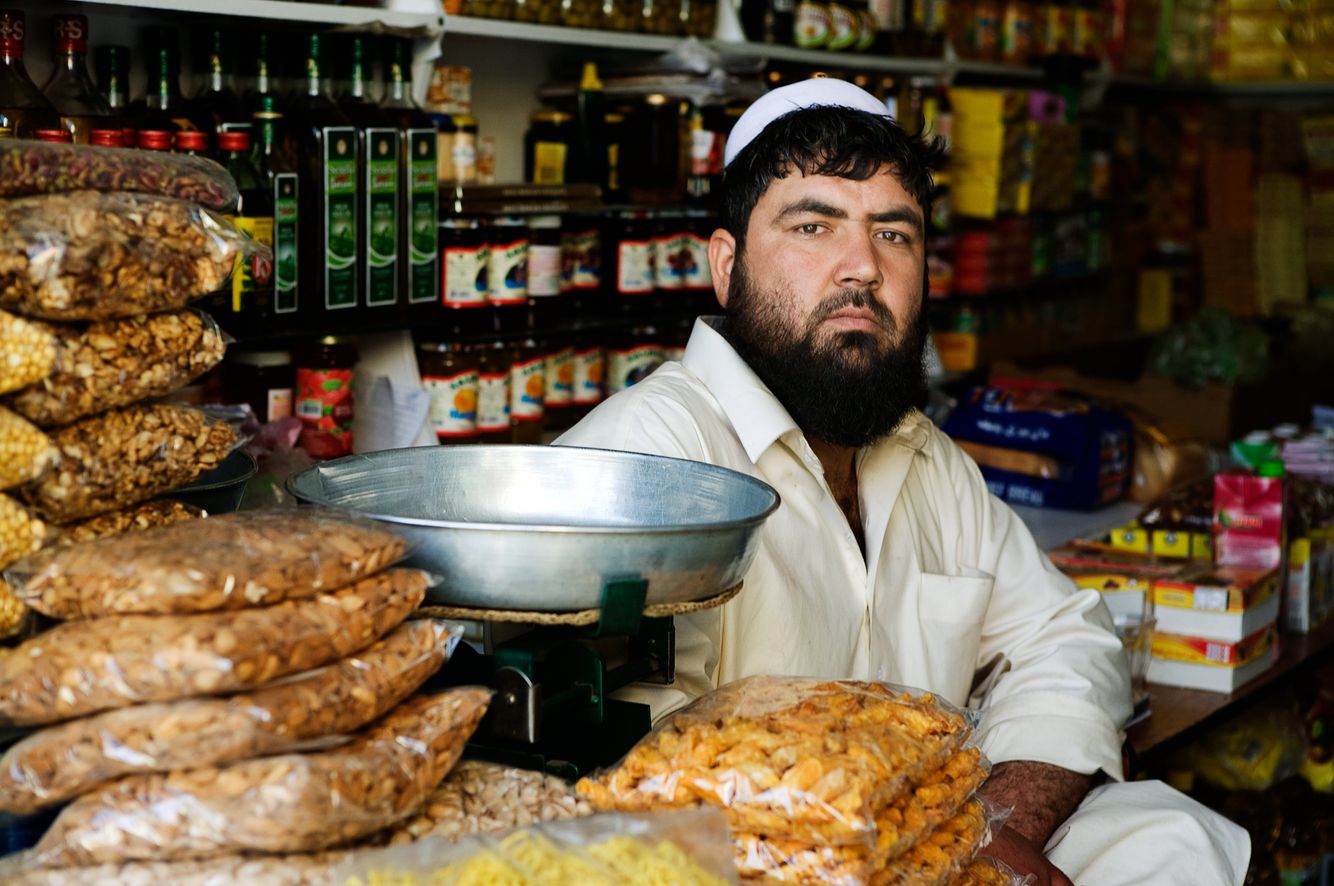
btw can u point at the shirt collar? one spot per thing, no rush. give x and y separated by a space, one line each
756 415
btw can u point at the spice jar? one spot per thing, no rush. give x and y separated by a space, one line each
262 379
449 373
324 396
546 147
494 364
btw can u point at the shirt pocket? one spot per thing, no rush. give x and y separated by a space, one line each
950 612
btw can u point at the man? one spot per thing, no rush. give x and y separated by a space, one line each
888 559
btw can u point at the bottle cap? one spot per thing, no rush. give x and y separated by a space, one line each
59 136
234 141
155 140
106 138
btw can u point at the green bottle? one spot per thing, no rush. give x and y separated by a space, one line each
251 297
278 172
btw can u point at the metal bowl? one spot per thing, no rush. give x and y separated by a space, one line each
545 527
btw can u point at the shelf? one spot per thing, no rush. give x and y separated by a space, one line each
1205 89
552 34
430 22
816 58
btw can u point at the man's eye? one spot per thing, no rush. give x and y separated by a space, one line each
809 228
892 236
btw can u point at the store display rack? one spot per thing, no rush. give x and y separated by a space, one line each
430 20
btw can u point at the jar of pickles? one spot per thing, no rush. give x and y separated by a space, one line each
545 12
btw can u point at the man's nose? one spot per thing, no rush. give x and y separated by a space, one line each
858 266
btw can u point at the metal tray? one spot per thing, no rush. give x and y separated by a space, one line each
543 528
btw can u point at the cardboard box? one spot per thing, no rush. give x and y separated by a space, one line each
1248 520
1225 604
1210 678
1213 653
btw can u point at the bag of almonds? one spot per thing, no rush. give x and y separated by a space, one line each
81 667
287 803
72 758
160 512
232 561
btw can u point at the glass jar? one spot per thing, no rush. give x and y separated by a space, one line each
590 374
581 254
263 379
633 353
502 9
465 258
494 364
581 13
560 383
698 18
545 12
546 147
660 17
619 15
324 396
528 379
445 131
449 373
464 148
631 255
507 272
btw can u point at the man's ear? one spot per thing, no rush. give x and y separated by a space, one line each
722 253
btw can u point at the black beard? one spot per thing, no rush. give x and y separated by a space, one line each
848 390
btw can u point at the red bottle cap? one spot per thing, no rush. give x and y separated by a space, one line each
191 141
12 29
106 138
71 33
60 136
233 141
129 137
154 140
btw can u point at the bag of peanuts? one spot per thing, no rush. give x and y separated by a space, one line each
160 512
25 452
89 255
27 352
232 561
32 167
82 667
72 758
101 366
286 803
126 456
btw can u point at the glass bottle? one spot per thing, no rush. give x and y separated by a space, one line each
217 107
251 296
164 107
324 372
23 108
494 366
112 66
70 88
528 379
450 374
192 143
261 77
278 172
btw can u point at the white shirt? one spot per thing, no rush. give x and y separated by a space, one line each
953 595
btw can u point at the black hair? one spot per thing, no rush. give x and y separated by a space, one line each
827 140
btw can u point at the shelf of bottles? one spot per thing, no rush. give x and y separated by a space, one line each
427 17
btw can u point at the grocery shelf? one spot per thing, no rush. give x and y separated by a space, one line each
1259 89
430 19
814 57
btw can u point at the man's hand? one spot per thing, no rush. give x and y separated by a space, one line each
1016 850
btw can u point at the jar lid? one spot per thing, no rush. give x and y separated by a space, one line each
444 122
546 115
260 358
465 121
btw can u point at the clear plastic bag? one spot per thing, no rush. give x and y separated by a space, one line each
232 561
809 760
25 452
32 167
82 667
27 352
88 255
21 532
314 869
114 363
987 871
127 456
286 803
72 758
137 518
941 854
684 847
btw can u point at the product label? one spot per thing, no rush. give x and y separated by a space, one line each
256 272
590 369
453 403
583 259
423 211
889 14
380 224
929 16
339 205
1060 30
866 31
279 404
493 402
284 242
528 383
627 367
812 25
466 270
544 270
508 272
634 267
697 275
560 378
549 163
843 26
324 405
672 255
464 152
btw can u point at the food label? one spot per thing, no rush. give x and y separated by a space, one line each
508 272
697 274
465 284
464 150
453 403
560 378
590 369
422 207
255 272
843 26
340 217
634 267
284 242
583 258
628 367
380 224
279 404
812 25
493 401
544 270
670 261
528 380
549 163
324 405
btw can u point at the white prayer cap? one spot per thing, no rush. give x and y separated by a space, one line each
812 93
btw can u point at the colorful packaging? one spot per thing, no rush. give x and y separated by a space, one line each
1248 520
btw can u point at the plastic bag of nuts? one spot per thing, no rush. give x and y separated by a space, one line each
119 362
87 255
82 667
233 561
287 803
70 759
313 869
161 512
20 532
25 452
126 456
31 167
27 352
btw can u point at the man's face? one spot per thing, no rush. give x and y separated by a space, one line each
825 302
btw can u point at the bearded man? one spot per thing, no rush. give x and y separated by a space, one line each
888 559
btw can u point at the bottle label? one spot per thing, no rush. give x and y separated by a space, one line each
697 274
543 270
671 260
549 163
843 25
324 405
812 24
865 31
423 212
464 152
379 227
493 402
453 403
254 273
11 32
284 242
627 367
585 259
1060 30
560 378
278 401
340 217
508 272
465 284
590 369
634 267
528 381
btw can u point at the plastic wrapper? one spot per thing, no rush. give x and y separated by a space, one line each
987 871
939 797
115 363
82 667
137 518
25 452
683 847
232 561
940 855
72 758
286 803
86 255
482 797
801 759
312 869
27 352
32 167
127 456
21 532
